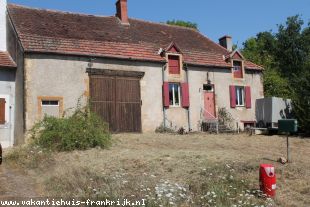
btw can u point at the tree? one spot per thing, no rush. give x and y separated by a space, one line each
260 50
291 48
285 56
183 23
275 85
301 99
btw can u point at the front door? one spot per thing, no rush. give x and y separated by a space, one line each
209 104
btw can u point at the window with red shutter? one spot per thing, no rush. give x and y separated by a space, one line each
237 69
248 103
232 92
174 94
185 95
166 94
2 111
174 64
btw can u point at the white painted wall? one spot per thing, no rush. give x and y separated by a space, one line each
3 46
7 91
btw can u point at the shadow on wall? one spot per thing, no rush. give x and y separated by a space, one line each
287 113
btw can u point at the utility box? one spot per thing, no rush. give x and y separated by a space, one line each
288 125
270 110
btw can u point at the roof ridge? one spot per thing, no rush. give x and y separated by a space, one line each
96 15
164 24
55 11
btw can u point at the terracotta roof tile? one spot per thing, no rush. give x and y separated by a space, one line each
67 33
6 60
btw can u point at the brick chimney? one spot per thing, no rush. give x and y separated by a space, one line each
226 42
3 46
122 11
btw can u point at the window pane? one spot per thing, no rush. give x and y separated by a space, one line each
177 94
237 96
49 103
242 96
171 94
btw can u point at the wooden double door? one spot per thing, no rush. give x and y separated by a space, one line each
117 101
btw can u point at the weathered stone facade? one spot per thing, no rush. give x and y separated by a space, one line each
65 76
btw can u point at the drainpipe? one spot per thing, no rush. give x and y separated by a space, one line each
164 108
188 110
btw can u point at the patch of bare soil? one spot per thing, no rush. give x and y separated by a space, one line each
15 184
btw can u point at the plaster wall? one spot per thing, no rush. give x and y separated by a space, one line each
222 79
64 76
7 91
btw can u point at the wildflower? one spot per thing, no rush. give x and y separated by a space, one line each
168 195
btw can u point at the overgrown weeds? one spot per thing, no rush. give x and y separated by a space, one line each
216 185
80 131
29 157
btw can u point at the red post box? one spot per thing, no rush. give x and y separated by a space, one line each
267 179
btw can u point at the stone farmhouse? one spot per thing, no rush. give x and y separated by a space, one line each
137 75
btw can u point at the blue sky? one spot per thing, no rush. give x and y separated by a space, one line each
240 18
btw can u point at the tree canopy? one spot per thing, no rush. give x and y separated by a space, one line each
183 23
285 55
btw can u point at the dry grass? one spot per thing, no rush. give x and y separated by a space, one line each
201 168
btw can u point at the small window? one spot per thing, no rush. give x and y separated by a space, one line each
208 87
50 108
237 69
174 64
174 94
50 103
239 96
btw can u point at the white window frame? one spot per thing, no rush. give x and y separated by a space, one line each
238 90
173 95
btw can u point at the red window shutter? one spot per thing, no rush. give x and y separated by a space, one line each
166 94
248 103
2 111
232 91
174 64
185 95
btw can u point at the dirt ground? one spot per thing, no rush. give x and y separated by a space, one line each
14 183
178 158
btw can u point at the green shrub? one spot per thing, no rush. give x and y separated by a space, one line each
80 131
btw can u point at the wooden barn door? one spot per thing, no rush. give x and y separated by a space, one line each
117 100
128 105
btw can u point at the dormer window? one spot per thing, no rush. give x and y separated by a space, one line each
174 64
237 69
